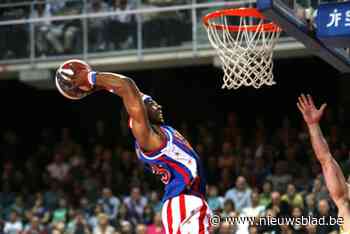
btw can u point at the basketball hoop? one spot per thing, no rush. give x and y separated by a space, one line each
245 50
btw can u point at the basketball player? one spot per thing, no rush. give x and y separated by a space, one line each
335 180
160 147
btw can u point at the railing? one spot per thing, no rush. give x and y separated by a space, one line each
135 31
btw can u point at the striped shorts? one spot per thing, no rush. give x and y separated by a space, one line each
186 214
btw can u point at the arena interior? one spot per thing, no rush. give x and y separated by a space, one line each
69 167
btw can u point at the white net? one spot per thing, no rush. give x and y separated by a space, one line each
246 55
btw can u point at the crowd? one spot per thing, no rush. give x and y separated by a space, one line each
65 181
104 33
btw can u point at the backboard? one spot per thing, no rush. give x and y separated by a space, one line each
323 27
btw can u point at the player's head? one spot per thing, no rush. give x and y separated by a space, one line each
154 110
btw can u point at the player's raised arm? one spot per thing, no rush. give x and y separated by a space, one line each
334 177
86 79
312 116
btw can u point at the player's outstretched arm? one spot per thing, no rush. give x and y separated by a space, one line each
126 88
334 177
133 102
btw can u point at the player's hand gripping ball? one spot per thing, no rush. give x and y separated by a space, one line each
72 79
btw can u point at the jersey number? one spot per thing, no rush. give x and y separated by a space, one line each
164 174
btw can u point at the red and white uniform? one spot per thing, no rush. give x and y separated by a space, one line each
180 169
186 214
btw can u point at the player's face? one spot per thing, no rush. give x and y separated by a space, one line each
155 113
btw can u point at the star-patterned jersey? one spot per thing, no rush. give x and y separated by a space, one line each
177 164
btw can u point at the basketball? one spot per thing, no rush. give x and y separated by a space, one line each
63 82
71 67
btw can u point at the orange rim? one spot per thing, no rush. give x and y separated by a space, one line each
242 12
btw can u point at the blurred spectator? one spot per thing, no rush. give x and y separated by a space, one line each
97 26
109 203
155 201
93 220
227 228
165 29
122 27
325 212
56 6
103 226
41 10
85 207
18 206
141 229
7 197
320 190
215 202
148 214
265 196
58 228
240 194
280 178
60 214
297 212
14 38
78 225
39 210
228 208
310 204
254 210
126 227
58 169
34 227
14 225
123 216
136 204
253 230
51 195
280 208
156 227
64 35
292 197
265 228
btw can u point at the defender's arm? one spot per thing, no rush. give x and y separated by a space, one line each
333 175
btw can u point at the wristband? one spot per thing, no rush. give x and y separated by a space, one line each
145 97
92 78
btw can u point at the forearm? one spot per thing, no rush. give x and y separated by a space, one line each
333 175
123 87
335 182
117 83
319 143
